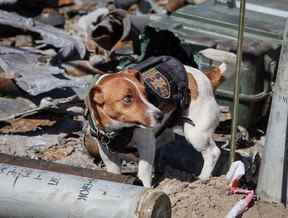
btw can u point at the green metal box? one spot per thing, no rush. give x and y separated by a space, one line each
211 25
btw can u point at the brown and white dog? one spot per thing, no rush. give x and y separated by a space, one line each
119 100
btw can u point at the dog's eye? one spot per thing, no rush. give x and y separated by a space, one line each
128 99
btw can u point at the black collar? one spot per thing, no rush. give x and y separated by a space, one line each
114 140
103 135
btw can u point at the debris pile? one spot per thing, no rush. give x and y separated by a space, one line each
49 54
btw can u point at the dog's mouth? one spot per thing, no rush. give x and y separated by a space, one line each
117 124
156 118
153 119
144 126
154 123
147 126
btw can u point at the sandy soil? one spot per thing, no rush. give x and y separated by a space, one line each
191 198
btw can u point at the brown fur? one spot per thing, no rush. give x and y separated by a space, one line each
193 87
215 76
107 98
91 144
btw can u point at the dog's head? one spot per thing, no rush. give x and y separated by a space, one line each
120 100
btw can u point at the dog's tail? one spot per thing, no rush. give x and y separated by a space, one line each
217 75
225 70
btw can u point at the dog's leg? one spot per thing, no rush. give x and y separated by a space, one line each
111 160
210 157
145 142
202 141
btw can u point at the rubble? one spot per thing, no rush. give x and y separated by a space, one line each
69 47
45 104
49 58
20 145
234 174
29 124
10 108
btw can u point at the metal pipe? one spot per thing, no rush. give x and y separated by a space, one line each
246 98
284 188
66 169
237 79
273 177
27 192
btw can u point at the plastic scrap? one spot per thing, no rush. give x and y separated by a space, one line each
241 206
236 171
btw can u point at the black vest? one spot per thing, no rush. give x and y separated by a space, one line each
166 81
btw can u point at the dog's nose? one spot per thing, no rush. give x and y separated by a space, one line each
158 116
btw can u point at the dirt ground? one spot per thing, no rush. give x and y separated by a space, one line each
195 199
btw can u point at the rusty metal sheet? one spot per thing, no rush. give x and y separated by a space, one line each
69 47
21 144
9 106
15 108
33 75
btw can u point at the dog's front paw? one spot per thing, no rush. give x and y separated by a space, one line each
113 168
146 180
204 178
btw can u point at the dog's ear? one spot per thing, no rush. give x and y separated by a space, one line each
135 73
96 95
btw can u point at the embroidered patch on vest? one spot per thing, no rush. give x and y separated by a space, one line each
157 82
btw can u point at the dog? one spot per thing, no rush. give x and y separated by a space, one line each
118 105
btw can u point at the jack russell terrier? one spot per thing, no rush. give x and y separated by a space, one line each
133 105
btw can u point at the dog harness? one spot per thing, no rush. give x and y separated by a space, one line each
166 84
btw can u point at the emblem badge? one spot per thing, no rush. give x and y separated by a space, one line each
157 82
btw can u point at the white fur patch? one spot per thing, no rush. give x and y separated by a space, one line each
151 108
228 60
222 68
